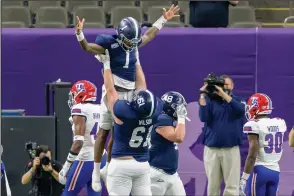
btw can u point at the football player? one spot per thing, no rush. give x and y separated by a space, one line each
129 170
125 66
77 170
167 133
262 172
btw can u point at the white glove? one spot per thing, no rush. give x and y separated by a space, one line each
96 184
242 187
103 172
104 58
182 113
63 173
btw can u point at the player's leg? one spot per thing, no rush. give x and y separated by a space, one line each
78 176
177 187
256 184
213 170
119 181
141 182
272 186
90 190
231 166
158 182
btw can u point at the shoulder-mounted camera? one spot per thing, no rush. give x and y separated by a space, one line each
212 80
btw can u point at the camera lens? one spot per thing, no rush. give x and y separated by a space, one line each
45 160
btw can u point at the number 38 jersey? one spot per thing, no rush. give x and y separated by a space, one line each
91 112
271 132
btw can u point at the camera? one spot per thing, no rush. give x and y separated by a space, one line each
34 150
212 80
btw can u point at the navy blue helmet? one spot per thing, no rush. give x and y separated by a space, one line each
129 33
170 101
144 103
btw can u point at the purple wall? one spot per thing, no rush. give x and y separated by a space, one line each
178 59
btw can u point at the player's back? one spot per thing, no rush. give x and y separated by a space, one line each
271 132
91 112
122 63
131 137
163 153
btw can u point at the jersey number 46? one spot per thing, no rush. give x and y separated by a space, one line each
137 140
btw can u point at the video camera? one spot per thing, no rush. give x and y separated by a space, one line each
212 80
34 150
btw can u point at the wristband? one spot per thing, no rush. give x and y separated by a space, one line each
181 120
71 156
245 176
32 172
203 92
97 167
80 36
160 23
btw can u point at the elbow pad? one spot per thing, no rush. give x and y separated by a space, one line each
79 137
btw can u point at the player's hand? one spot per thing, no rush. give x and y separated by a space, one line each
80 25
181 111
96 184
104 58
171 13
63 173
242 187
36 162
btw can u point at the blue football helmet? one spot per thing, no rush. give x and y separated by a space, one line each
144 103
170 101
129 33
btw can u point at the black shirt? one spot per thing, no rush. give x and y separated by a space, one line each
209 13
44 182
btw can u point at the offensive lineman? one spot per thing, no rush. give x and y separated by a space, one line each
77 170
168 132
125 66
129 170
262 172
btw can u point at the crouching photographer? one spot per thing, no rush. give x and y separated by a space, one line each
223 115
42 171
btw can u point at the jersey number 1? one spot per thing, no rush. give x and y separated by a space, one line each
137 140
274 143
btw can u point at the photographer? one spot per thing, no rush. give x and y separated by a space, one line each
223 115
42 172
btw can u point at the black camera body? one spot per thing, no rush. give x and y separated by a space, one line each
212 80
34 150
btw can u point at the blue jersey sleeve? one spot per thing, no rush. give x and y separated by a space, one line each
163 121
122 110
104 41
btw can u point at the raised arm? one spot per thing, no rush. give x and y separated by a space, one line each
140 76
157 26
88 47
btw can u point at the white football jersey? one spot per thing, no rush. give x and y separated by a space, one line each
92 114
271 133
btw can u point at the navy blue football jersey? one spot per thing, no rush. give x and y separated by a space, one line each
122 63
163 153
131 138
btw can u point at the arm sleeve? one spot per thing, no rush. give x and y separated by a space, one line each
238 106
121 109
251 127
205 111
77 110
163 121
102 41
